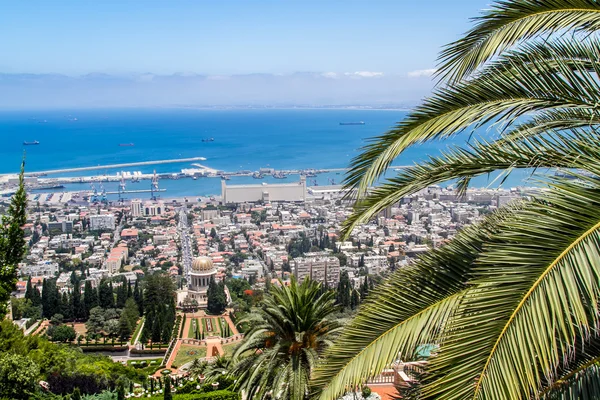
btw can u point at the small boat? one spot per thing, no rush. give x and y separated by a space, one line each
126 144
225 178
30 143
353 123
279 175
258 175
209 140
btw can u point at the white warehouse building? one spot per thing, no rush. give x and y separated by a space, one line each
266 192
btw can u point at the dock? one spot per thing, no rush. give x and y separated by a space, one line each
113 166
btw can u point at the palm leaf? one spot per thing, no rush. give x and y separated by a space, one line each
508 23
578 149
537 289
580 378
407 310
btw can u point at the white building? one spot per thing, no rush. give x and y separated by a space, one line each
199 279
101 222
136 208
320 268
152 209
43 269
266 192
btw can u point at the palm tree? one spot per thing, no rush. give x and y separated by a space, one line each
287 335
512 301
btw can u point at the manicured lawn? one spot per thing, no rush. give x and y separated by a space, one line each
191 333
137 330
229 349
188 353
215 326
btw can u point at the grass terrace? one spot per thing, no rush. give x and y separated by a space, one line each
188 353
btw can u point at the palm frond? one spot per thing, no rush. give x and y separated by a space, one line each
406 311
552 121
578 149
518 85
536 294
580 377
508 23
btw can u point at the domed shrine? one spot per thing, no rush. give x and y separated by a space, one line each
199 278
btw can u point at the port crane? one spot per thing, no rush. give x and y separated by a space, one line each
154 186
121 189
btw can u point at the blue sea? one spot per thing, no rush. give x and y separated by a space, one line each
243 140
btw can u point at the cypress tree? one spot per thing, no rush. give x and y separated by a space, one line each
105 295
29 290
90 298
122 294
167 390
139 299
12 241
66 306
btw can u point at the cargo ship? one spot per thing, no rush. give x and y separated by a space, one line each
126 144
353 123
30 143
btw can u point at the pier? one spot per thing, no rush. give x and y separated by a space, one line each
114 166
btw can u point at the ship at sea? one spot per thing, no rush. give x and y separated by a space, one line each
353 123
126 144
209 140
258 175
279 175
30 143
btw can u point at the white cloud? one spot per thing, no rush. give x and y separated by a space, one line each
422 73
331 75
364 74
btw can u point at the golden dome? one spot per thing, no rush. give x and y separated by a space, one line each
202 264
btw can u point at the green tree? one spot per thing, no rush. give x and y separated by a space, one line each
17 376
121 293
90 298
120 392
61 333
344 289
124 327
96 320
512 300
12 241
106 298
288 334
216 298
159 307
167 390
50 298
130 312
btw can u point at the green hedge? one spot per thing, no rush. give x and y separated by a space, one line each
86 349
216 395
148 351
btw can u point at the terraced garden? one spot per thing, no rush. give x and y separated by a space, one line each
188 353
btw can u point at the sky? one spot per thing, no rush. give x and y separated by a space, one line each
388 42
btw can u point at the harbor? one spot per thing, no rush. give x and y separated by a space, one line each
190 181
